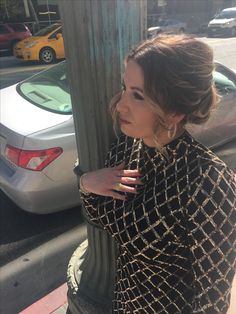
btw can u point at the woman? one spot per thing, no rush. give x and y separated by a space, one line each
168 201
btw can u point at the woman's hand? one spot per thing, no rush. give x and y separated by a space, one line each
110 181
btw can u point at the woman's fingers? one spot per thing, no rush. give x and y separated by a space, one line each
131 180
120 171
124 188
112 180
129 173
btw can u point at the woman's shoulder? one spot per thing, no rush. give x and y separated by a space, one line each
209 171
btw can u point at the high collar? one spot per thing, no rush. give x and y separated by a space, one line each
171 150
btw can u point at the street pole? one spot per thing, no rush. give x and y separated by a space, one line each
97 36
36 25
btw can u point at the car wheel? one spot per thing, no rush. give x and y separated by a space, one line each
209 34
182 30
233 32
47 55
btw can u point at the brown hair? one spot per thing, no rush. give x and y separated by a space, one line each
178 78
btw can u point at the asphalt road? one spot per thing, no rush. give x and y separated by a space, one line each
13 70
224 50
20 231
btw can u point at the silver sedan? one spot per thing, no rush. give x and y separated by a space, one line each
37 137
167 26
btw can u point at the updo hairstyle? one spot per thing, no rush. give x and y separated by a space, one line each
177 72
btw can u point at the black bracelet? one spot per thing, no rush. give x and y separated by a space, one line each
79 173
77 170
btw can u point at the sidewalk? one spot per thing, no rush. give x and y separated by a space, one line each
53 303
56 302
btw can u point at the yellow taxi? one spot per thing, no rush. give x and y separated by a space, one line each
46 45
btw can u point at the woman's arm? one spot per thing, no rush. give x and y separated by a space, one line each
109 183
211 226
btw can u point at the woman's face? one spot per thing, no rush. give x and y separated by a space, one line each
136 117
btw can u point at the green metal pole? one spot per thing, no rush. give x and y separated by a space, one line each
97 36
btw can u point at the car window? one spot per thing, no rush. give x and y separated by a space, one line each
162 23
226 15
54 35
225 81
3 30
48 90
18 27
47 30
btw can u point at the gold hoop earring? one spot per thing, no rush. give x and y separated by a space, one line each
172 131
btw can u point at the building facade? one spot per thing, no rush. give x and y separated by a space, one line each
196 13
39 13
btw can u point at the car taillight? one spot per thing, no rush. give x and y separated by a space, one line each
35 160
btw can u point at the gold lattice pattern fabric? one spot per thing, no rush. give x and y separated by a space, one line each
176 237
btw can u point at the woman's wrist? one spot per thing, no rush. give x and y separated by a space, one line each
81 184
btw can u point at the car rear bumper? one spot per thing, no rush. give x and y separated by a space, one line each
27 192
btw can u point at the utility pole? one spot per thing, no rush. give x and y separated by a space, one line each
97 35
36 25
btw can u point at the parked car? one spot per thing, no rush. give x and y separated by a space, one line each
46 46
167 26
11 33
37 136
223 23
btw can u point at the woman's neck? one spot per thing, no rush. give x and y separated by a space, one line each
163 138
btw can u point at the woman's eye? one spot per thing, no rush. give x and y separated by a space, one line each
138 96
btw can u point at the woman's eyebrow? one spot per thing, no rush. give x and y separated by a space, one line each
133 87
137 88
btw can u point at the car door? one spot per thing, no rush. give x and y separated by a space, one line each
57 42
221 127
5 37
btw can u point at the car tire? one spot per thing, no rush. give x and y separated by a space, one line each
233 32
182 30
209 35
47 55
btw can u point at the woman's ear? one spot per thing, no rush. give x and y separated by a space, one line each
176 118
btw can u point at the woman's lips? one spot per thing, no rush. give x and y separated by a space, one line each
123 121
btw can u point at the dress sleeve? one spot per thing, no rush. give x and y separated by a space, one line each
115 156
211 227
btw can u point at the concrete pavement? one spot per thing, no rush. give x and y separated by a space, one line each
26 279
56 302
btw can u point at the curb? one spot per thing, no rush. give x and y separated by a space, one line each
35 274
48 304
6 58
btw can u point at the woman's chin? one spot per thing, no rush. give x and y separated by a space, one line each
126 131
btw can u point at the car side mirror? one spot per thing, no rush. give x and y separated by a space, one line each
58 36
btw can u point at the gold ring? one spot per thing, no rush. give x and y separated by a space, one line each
117 186
121 173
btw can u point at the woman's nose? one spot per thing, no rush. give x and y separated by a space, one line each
122 104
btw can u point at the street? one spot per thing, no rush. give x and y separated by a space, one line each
21 231
224 50
13 70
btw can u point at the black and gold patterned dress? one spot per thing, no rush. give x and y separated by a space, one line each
176 237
